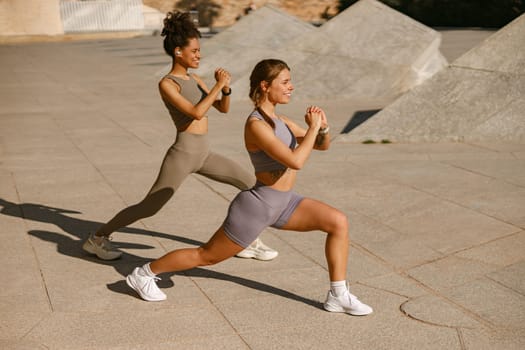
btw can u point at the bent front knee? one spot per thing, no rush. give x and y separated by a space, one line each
206 259
340 222
338 225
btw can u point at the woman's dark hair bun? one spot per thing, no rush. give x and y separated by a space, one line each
178 29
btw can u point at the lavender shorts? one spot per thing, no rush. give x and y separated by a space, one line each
253 210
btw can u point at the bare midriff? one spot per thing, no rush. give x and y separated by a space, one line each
280 180
198 127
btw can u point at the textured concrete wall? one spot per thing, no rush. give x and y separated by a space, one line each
368 51
260 35
480 97
30 17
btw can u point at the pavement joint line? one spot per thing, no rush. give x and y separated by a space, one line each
215 306
35 325
444 199
404 273
382 289
485 70
487 147
86 157
465 310
292 247
412 317
481 174
461 339
505 286
127 131
35 256
106 180
378 258
29 239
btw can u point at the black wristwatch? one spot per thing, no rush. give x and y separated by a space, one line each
228 93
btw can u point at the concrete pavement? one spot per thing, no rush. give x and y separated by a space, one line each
437 229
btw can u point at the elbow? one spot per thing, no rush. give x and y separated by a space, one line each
198 116
296 165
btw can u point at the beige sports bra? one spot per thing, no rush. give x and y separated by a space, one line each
191 91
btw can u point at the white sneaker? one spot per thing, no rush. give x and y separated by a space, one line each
346 303
101 247
145 285
258 250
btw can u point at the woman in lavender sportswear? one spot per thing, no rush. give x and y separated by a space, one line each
278 148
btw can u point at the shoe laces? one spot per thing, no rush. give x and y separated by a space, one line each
260 245
256 244
151 286
353 299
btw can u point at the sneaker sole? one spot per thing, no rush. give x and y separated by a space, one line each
256 256
131 284
265 258
331 308
245 256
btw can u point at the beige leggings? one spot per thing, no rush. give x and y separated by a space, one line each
189 154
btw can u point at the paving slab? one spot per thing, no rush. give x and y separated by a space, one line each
436 229
505 276
473 296
433 309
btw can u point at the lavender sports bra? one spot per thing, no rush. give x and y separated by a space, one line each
263 162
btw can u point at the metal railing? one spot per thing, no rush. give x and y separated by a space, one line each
101 15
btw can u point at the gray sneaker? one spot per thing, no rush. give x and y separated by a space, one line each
101 247
145 285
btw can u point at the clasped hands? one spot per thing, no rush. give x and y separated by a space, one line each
316 117
223 77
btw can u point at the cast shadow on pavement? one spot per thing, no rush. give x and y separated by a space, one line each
77 227
122 287
80 229
124 266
